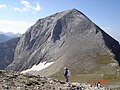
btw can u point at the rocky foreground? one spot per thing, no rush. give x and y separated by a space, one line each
10 80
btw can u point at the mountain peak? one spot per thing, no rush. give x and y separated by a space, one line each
65 38
62 13
74 9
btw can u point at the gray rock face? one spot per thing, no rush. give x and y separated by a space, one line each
7 52
67 38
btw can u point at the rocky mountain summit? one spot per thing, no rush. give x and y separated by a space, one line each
66 38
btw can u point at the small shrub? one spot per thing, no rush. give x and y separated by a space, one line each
32 82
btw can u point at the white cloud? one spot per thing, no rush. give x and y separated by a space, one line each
2 6
27 6
37 8
14 26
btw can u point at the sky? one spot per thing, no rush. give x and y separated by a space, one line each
18 15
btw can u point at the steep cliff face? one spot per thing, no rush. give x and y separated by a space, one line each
7 52
65 38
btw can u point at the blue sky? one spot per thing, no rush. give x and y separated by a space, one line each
18 15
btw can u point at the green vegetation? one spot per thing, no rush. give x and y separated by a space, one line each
112 77
103 59
102 72
88 77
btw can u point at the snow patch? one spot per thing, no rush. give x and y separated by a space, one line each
38 67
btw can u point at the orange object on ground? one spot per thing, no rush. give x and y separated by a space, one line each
101 81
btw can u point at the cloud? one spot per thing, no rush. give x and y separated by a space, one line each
2 6
27 6
14 26
37 8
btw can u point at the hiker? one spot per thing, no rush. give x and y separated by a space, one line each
67 75
98 85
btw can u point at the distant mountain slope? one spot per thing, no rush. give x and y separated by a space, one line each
7 36
7 52
11 34
67 38
4 38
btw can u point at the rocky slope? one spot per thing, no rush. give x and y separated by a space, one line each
66 38
7 52
10 80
